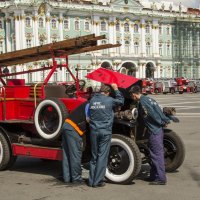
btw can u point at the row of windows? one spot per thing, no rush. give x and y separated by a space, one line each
135 28
103 25
54 24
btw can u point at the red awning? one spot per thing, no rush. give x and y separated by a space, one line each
107 76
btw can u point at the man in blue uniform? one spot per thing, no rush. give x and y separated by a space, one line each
72 131
154 121
101 121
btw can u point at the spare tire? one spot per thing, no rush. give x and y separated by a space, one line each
49 117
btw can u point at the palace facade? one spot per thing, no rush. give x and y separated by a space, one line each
158 40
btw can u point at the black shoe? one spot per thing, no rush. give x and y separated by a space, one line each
78 183
102 184
158 183
149 179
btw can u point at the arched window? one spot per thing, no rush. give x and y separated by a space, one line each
168 30
118 48
147 28
67 76
1 47
28 22
136 28
53 24
87 26
77 25
136 48
126 27
168 50
41 41
148 48
103 26
66 24
41 22
28 43
176 50
104 51
55 74
160 49
117 26
160 29
127 47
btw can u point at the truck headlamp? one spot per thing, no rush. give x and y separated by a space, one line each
134 113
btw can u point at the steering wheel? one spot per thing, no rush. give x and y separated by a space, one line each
82 84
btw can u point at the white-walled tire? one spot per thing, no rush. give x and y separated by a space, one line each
49 117
6 157
124 161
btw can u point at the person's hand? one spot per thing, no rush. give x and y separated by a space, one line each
114 86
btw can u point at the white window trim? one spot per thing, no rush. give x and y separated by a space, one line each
56 24
86 21
105 26
30 22
2 23
78 25
66 19
44 24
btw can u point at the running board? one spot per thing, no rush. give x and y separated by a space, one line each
37 151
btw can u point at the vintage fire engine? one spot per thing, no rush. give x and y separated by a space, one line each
31 116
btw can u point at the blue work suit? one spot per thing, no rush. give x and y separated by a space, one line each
72 144
72 152
101 121
154 119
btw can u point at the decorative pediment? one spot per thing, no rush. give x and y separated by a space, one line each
131 4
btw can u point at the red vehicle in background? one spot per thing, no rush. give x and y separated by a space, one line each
158 87
186 84
148 86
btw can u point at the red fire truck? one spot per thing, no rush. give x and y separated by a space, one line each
31 116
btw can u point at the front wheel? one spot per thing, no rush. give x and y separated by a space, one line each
174 151
124 161
6 157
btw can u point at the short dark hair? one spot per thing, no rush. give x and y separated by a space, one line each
135 89
105 88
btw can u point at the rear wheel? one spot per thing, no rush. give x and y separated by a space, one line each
174 151
156 91
49 117
6 157
172 91
124 162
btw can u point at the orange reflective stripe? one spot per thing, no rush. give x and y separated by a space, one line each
80 132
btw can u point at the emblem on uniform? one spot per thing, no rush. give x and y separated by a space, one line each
145 113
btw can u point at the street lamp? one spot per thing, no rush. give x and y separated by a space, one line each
177 65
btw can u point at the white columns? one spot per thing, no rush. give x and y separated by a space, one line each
143 70
122 38
131 43
137 73
48 28
61 26
142 38
8 36
22 34
112 34
17 33
155 32
35 29
94 27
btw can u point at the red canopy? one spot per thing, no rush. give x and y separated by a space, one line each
107 76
